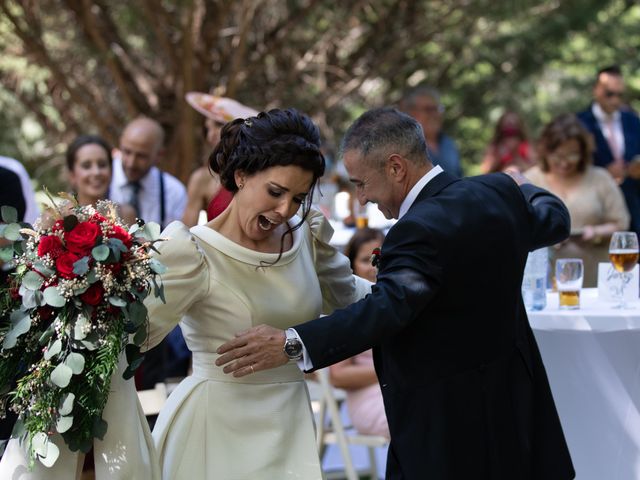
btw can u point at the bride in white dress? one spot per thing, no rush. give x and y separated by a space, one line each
258 262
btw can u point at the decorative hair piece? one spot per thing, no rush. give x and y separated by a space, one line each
248 123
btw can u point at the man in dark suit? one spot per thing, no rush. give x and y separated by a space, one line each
465 390
616 132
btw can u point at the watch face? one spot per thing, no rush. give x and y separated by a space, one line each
293 348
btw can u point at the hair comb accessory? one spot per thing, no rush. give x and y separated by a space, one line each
248 123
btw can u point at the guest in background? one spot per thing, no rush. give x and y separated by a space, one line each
357 374
616 130
509 146
594 201
31 210
156 196
204 190
423 104
90 167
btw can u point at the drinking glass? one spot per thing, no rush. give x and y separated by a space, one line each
623 254
360 212
569 276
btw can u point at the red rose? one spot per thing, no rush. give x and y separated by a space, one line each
64 264
93 295
50 244
122 235
96 217
45 313
82 238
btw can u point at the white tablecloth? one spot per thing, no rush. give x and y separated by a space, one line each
592 358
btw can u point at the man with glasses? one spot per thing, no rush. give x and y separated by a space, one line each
616 131
423 104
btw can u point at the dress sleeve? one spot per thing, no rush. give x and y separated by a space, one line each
339 286
185 281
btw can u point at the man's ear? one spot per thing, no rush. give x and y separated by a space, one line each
396 167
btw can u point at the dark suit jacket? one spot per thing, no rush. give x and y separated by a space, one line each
602 156
465 390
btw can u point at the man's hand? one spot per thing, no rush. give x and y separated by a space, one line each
259 348
633 168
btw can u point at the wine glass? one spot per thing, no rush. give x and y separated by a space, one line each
623 253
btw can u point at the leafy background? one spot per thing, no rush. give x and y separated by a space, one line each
77 66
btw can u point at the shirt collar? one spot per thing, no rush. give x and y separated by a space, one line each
602 116
417 188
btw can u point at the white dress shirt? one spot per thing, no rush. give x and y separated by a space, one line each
305 363
610 125
31 207
149 201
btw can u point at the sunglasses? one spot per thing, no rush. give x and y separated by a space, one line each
611 94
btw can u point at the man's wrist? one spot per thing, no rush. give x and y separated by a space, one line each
293 347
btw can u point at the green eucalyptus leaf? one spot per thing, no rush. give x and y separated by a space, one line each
6 253
53 350
52 297
9 214
39 444
75 361
12 232
66 405
61 375
158 290
100 253
80 329
43 269
80 267
18 327
32 280
92 276
137 313
30 298
117 301
53 452
64 423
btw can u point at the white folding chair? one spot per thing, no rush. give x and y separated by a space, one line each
153 399
326 402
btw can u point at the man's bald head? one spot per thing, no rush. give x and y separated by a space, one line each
141 145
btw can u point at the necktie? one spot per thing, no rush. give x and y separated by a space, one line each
133 199
613 142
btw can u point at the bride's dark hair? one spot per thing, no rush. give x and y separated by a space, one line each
270 139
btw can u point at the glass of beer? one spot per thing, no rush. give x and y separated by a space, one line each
623 254
569 276
361 215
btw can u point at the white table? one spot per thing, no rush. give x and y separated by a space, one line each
592 358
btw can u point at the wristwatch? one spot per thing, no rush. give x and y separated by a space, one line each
292 346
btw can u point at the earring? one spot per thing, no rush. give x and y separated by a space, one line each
240 185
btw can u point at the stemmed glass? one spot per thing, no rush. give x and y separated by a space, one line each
623 253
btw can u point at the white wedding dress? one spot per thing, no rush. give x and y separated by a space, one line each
215 426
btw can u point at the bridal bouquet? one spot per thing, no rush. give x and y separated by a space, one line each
71 306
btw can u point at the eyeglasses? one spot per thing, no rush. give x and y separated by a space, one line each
571 157
611 94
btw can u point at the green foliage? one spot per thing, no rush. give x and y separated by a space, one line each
332 59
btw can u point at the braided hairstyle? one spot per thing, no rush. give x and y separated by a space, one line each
270 139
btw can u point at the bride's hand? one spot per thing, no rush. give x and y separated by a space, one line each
255 349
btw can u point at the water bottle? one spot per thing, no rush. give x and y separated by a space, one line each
534 281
